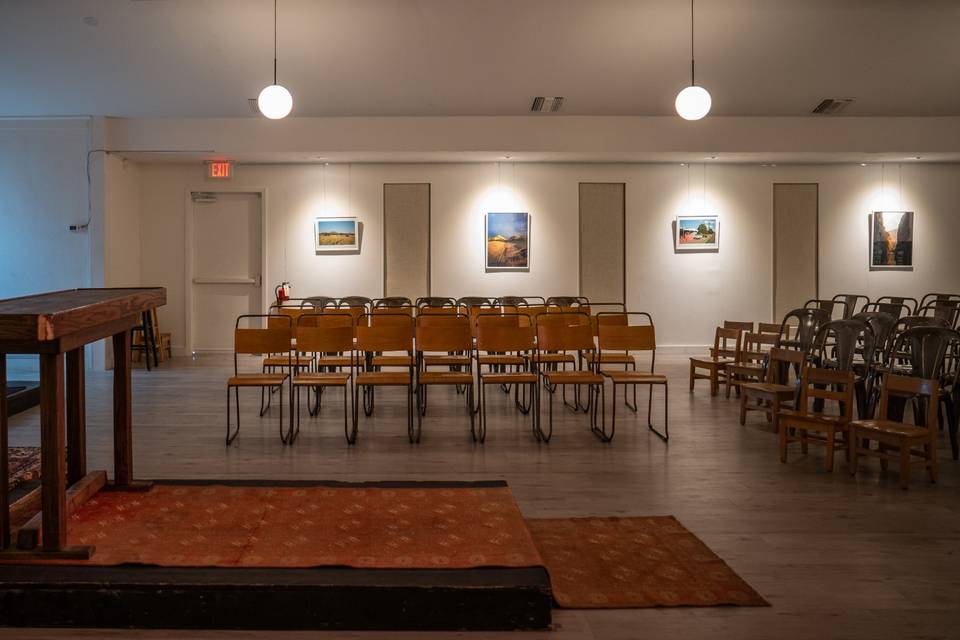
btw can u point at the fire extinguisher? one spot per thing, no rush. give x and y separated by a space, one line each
282 292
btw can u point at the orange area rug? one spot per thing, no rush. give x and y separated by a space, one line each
305 526
607 563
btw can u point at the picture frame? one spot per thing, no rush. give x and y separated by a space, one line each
697 233
891 240
336 234
506 241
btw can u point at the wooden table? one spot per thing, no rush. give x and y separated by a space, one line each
56 326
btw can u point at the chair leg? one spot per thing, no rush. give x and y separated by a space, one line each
831 445
284 438
412 432
473 416
232 437
356 414
665 436
743 408
692 375
782 431
905 464
714 381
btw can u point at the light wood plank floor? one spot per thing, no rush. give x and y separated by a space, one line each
837 557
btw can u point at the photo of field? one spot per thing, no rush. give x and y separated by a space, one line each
507 240
335 233
697 230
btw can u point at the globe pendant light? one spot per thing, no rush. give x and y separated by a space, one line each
275 101
693 103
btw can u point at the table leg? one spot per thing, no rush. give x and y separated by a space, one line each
52 463
122 411
4 460
76 417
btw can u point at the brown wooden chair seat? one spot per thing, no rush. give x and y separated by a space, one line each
891 427
519 377
444 377
392 361
384 378
573 377
707 361
548 358
257 380
283 361
334 361
322 379
448 360
498 359
635 377
610 358
772 388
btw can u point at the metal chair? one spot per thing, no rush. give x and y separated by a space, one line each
507 336
325 334
838 345
274 338
851 301
450 334
379 333
808 322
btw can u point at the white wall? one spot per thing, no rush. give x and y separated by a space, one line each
688 294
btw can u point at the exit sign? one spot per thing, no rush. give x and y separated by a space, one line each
220 169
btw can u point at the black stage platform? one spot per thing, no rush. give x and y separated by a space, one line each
141 596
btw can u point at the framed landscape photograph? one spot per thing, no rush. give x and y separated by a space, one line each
698 233
336 234
891 240
507 239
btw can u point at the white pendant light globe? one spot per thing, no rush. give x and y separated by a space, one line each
693 103
275 102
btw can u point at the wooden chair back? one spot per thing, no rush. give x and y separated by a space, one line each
820 386
756 346
571 331
722 339
907 388
275 338
325 333
429 310
738 325
385 332
444 333
505 334
780 362
619 335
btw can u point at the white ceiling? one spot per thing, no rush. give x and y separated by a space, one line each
204 58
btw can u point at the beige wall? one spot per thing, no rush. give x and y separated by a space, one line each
688 294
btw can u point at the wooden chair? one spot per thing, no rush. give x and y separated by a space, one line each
450 334
275 338
776 389
378 334
325 337
768 327
608 356
622 336
507 336
550 360
738 325
750 364
281 361
804 424
720 356
571 332
896 440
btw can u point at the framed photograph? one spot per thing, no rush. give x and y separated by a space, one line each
698 233
891 240
336 234
507 239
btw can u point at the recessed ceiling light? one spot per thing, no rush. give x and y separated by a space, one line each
683 164
712 157
917 157
91 21
506 157
863 164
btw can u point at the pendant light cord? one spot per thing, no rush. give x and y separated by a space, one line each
692 69
275 41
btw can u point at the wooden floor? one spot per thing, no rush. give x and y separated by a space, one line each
837 557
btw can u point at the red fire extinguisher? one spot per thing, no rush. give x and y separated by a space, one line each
282 292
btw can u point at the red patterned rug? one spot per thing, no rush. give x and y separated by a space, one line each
305 526
24 465
607 563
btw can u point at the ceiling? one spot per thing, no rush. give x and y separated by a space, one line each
205 58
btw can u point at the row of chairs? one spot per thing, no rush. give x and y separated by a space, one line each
322 347
945 306
918 355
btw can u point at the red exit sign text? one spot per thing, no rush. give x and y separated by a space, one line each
220 169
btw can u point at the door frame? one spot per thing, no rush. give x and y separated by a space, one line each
188 251
773 248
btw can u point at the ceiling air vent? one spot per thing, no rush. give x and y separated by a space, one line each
831 106
542 104
254 106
